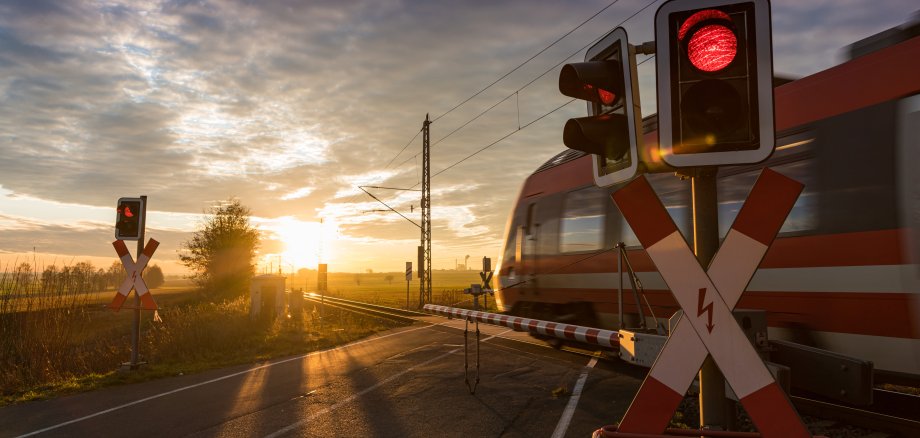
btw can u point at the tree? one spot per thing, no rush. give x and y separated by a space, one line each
153 276
389 279
220 253
115 274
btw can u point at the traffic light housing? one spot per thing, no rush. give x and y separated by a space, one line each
129 220
611 132
715 73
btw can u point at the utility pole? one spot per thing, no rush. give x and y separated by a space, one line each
425 283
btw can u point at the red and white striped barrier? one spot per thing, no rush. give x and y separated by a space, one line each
587 335
707 300
134 279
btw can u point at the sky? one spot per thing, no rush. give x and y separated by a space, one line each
289 106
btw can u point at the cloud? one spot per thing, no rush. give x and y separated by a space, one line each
302 192
190 102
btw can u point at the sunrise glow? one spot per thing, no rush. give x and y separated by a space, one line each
304 244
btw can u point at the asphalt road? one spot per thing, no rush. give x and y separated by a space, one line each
407 382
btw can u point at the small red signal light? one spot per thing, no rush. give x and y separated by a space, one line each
128 212
606 97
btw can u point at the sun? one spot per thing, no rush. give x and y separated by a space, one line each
305 243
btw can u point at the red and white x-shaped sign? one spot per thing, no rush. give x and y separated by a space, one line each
707 299
134 279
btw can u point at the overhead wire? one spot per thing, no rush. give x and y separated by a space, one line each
528 60
649 4
404 148
499 140
516 94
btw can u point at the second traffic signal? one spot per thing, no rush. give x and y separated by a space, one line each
606 80
129 219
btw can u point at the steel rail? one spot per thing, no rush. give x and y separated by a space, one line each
395 310
362 309
878 417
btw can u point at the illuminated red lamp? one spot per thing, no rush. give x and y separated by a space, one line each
712 44
606 97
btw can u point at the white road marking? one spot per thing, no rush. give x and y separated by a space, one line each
153 397
355 396
563 426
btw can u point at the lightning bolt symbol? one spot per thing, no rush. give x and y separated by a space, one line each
700 309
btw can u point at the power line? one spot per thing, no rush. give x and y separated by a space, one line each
528 60
515 93
390 188
504 137
535 79
404 148
387 206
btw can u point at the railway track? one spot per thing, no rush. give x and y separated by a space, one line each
377 311
891 412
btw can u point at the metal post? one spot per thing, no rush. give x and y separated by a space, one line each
407 294
705 244
322 282
426 205
421 271
136 325
620 288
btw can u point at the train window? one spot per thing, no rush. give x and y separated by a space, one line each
733 190
582 225
909 179
804 214
509 257
528 223
674 193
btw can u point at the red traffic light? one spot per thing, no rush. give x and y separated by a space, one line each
595 81
712 47
129 220
611 131
712 43
715 96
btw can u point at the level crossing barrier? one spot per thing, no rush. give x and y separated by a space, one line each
570 332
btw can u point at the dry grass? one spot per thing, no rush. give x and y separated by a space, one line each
56 335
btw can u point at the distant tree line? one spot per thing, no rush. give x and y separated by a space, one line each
84 277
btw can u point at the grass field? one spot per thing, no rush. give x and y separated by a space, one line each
377 288
61 340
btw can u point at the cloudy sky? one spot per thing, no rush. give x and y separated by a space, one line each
290 105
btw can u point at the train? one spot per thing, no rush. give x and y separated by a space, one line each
843 274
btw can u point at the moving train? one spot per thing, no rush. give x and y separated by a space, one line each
844 272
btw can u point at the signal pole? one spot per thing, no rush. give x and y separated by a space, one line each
425 269
705 244
136 324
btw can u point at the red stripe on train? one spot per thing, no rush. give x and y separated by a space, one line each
866 248
875 314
